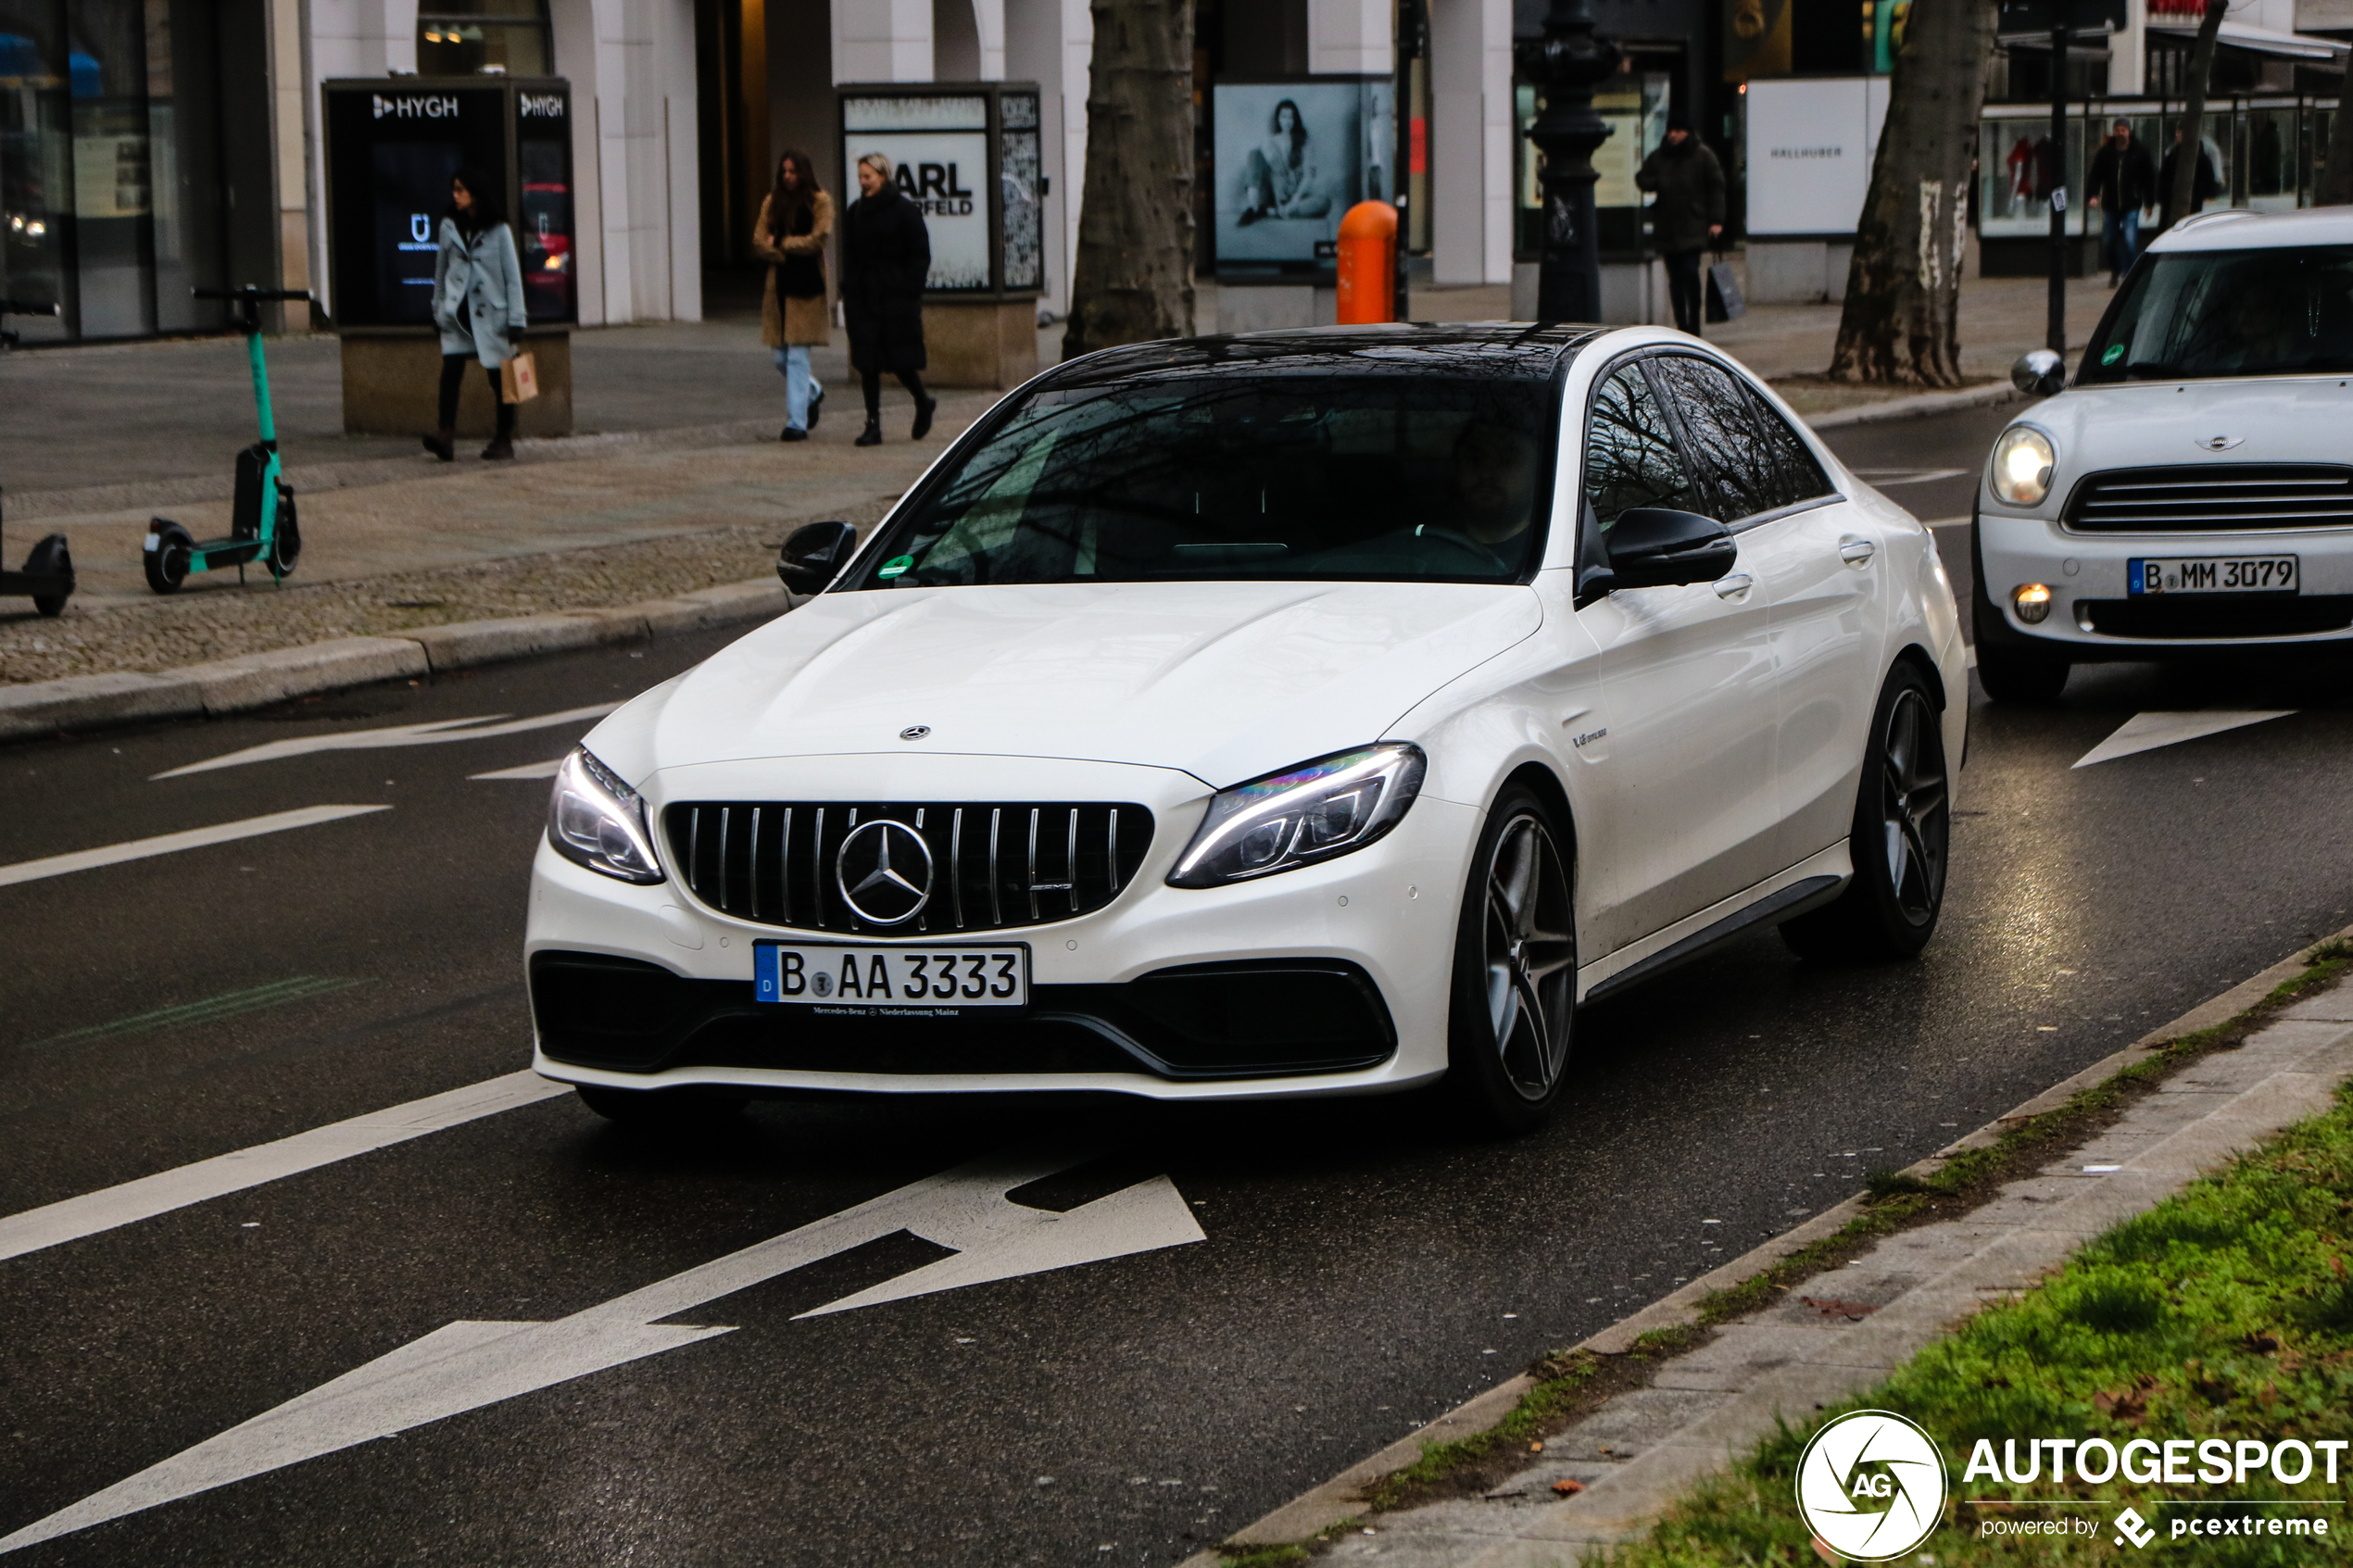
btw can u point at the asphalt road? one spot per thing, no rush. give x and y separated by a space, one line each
1363 1269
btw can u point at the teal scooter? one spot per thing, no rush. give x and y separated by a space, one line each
261 519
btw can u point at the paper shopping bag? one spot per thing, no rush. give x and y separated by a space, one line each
519 379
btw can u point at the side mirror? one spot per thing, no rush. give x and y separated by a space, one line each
1656 547
815 554
2040 374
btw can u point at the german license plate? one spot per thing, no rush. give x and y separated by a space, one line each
841 979
2214 574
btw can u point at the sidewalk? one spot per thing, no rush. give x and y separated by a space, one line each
675 483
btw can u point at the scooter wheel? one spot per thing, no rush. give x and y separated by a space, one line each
167 562
50 558
286 544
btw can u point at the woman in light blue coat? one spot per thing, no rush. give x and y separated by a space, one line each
478 305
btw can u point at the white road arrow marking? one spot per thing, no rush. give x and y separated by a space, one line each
2146 732
467 1365
528 770
172 842
433 734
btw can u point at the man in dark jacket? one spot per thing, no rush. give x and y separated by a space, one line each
2122 184
2203 186
885 256
1688 214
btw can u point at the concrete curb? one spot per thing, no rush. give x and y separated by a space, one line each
1916 408
256 680
1342 1496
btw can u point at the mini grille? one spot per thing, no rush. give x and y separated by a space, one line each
2213 497
995 864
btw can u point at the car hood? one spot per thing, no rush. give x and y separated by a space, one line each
2270 420
1226 681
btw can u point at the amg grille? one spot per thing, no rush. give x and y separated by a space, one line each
995 865
2213 497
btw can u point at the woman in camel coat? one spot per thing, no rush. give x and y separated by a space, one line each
790 236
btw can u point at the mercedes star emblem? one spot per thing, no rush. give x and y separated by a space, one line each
914 732
2215 443
883 871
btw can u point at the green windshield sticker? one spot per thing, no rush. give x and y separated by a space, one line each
2115 352
894 565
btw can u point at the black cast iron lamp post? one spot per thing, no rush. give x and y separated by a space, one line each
1566 63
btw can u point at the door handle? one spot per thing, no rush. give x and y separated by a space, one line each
1856 552
1736 587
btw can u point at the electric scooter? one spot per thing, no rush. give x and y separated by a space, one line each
47 577
261 517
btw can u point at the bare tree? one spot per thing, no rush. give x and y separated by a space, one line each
1134 280
2182 199
1903 284
2335 188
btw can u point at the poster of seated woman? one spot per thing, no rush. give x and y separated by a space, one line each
1290 160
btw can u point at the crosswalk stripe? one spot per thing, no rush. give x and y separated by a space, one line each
172 843
73 1218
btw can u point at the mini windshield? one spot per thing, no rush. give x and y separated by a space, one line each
1219 477
2192 314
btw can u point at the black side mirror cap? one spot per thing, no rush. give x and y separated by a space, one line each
814 554
1657 548
2040 373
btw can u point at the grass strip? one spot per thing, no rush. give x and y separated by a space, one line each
2224 1312
1894 1200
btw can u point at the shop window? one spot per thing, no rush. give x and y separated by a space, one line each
468 37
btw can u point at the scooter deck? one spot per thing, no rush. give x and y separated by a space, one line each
212 554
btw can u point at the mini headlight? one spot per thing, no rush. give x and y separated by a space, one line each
1304 814
2022 463
596 820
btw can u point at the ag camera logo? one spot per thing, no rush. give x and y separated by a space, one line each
1871 1485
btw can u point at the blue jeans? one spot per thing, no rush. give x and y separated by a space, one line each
2120 239
792 363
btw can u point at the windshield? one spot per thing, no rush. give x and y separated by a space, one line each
1220 477
2228 313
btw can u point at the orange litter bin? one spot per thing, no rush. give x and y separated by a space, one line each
1368 264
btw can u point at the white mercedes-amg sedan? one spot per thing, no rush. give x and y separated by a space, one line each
1302 714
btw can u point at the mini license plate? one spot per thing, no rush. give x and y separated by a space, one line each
934 981
2214 574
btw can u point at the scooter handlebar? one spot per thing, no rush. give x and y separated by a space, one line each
250 293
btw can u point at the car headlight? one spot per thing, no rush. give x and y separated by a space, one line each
596 820
2022 463
1302 815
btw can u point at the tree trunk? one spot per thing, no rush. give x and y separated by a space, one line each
1134 279
1903 284
2335 188
2182 199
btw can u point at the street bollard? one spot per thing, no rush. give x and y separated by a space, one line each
1368 264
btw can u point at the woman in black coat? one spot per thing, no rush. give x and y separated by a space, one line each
885 256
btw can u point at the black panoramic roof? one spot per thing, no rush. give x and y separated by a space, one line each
1510 349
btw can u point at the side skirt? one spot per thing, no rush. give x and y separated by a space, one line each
1807 886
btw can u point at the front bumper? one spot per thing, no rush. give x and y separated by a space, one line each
2095 616
1330 979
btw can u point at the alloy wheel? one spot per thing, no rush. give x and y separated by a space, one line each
1530 948
1914 806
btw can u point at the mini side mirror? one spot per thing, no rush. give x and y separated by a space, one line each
1656 547
2040 373
814 554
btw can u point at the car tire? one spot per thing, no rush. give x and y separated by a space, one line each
1514 1003
2016 675
697 1105
1902 833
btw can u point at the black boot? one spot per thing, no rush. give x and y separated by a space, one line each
441 444
924 412
816 407
870 435
501 446
788 433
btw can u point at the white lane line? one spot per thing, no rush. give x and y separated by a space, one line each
2146 732
528 770
73 1218
1882 479
172 843
434 734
